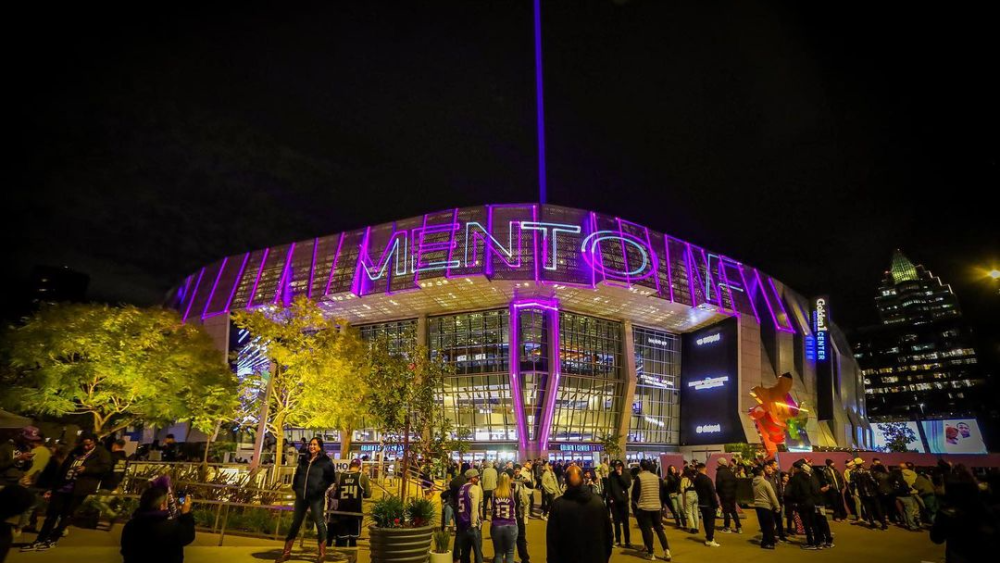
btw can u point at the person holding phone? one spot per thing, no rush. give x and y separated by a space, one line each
152 536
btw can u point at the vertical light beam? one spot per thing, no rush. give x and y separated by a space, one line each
540 104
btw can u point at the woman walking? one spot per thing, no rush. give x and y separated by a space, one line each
504 524
672 493
313 477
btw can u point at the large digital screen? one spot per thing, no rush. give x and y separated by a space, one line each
899 434
954 436
710 386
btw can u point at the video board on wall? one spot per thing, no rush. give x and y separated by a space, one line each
954 436
907 433
710 385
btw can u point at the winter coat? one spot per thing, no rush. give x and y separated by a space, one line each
725 483
706 492
971 532
646 491
89 475
617 487
489 479
800 490
154 537
313 477
549 483
579 528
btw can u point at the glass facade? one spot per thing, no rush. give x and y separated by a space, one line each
400 336
478 396
655 417
533 364
591 384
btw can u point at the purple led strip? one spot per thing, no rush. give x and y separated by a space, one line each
253 292
211 295
336 258
725 280
453 242
356 284
534 233
540 99
236 284
417 251
193 295
551 306
280 291
593 229
743 280
777 297
514 359
312 269
670 273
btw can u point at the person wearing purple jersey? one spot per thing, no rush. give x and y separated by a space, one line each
469 537
504 524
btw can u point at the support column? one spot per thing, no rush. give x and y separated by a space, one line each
422 330
630 381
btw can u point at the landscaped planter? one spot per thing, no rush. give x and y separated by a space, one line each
401 545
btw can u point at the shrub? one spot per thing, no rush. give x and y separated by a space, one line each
442 541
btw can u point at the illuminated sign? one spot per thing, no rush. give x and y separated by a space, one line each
709 382
709 429
657 342
512 242
709 339
580 447
822 354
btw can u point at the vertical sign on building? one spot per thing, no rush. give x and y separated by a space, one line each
824 360
710 386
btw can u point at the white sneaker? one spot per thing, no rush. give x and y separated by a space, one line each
712 544
666 555
650 557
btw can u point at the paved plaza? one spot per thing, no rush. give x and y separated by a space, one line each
853 544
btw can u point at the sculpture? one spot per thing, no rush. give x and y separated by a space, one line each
774 409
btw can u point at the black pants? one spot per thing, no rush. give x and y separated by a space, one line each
522 542
546 500
708 519
619 513
650 520
487 503
765 517
777 524
315 508
808 516
61 509
836 500
729 509
344 531
821 529
873 506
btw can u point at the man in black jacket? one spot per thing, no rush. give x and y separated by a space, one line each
151 536
616 495
725 484
579 530
802 494
773 474
79 477
707 503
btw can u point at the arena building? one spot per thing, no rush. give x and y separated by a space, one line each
564 326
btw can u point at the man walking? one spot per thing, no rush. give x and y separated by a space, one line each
707 503
646 496
579 530
725 484
765 502
469 537
616 495
773 476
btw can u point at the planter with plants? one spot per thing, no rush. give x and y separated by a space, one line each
442 551
402 532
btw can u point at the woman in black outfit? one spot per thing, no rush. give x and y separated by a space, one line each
671 489
313 477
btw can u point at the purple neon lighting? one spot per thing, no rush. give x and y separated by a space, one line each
214 286
670 273
743 280
356 288
452 243
333 268
725 280
253 292
694 273
514 353
236 284
312 269
416 249
280 291
540 104
534 234
777 297
193 295
592 222
551 306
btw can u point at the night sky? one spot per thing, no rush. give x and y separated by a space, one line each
809 141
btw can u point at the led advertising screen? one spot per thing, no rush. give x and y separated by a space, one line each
900 433
954 436
710 386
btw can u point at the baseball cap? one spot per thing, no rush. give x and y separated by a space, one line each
31 434
471 473
858 461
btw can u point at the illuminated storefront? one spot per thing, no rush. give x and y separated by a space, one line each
564 326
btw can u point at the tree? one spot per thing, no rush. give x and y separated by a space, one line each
316 375
611 444
401 397
118 365
898 436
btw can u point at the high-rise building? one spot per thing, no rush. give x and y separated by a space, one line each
920 362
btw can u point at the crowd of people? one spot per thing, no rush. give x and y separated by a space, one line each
792 506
